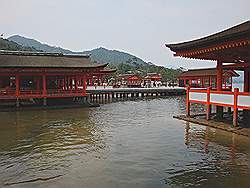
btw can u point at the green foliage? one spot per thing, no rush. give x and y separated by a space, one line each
12 46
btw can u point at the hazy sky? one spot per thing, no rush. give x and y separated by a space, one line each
140 27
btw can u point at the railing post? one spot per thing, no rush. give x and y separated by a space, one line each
187 102
235 114
208 103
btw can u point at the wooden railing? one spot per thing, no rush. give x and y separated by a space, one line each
236 100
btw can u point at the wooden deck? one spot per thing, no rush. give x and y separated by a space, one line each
216 124
117 93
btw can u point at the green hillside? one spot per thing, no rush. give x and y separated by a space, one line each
12 46
99 55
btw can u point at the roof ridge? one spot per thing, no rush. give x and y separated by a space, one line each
30 53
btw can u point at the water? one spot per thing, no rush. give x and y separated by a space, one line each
121 144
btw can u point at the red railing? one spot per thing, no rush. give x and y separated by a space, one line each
28 93
236 100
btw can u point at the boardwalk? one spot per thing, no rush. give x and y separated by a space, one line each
109 93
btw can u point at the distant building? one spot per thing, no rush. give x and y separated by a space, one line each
130 80
153 77
203 78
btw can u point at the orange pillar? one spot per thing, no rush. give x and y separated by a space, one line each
208 103
219 76
17 89
187 102
44 90
235 114
38 84
17 85
84 93
76 84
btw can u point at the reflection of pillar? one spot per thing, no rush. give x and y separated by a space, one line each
206 140
219 109
187 134
233 149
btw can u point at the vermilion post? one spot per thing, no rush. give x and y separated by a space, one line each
76 82
17 85
84 86
208 103
44 90
44 86
187 102
235 114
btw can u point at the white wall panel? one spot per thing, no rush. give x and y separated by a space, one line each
222 98
244 100
198 96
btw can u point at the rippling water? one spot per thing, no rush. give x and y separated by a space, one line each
121 144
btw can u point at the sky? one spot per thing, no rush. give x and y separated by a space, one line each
139 27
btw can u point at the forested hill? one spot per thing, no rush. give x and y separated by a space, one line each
100 55
12 46
123 62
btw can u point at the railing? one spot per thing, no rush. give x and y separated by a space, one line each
235 99
220 98
27 93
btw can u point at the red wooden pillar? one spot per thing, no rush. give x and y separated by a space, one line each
76 84
44 90
219 109
187 102
246 80
84 93
235 114
208 104
210 82
17 93
219 76
38 83
17 85
246 113
203 82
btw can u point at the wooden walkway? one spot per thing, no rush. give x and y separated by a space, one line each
121 93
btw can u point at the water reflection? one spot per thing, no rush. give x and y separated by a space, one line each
121 144
45 143
223 159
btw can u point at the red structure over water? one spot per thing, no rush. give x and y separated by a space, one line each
42 76
203 78
231 50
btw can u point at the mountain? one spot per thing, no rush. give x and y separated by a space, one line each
100 55
27 42
12 46
115 57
